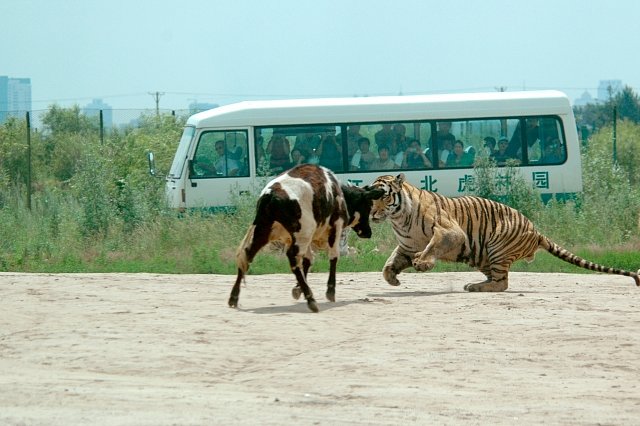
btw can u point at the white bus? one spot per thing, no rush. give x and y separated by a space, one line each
433 139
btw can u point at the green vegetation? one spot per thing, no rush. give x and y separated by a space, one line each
96 209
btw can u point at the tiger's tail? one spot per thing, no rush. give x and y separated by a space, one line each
569 257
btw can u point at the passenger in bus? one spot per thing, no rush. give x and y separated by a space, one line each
383 162
353 136
224 165
501 155
236 145
489 145
397 149
363 158
552 152
278 150
445 148
262 161
401 135
306 143
385 135
459 158
443 132
415 158
330 153
297 157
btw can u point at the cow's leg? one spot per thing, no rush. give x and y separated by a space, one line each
334 254
235 291
331 284
295 261
306 265
307 261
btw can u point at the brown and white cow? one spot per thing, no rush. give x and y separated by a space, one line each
302 208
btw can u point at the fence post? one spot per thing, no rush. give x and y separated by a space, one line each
615 143
28 161
101 129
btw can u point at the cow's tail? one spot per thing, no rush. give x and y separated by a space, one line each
242 258
257 236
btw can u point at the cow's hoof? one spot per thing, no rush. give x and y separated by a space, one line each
296 292
313 306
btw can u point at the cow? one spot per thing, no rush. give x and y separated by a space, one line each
305 208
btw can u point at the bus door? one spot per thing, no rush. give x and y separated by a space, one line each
218 169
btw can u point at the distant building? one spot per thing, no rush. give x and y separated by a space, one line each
15 97
93 110
608 89
584 99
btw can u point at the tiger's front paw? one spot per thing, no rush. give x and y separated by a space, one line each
390 277
423 265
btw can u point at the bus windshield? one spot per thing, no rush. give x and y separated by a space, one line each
181 154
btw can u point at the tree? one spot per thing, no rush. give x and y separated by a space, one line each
67 135
13 149
60 120
628 104
595 116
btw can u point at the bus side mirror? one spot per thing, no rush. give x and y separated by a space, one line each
152 163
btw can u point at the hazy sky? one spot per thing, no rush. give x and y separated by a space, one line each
224 51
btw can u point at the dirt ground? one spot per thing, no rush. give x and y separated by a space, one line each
146 349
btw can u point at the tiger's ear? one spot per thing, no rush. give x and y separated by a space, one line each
400 179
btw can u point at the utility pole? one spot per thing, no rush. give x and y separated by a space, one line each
156 96
614 136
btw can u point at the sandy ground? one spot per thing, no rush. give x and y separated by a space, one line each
146 349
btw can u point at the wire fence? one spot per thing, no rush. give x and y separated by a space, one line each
104 120
20 130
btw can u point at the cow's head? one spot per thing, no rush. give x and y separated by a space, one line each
359 202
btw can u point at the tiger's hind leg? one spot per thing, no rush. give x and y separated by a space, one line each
499 279
487 273
395 264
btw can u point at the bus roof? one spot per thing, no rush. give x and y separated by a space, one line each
383 108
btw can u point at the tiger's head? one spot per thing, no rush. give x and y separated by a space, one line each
391 200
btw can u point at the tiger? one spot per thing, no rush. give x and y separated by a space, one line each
485 234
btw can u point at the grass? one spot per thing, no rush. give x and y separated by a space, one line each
109 217
50 239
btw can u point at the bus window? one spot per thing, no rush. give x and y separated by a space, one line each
481 138
531 137
219 154
385 146
278 147
458 143
364 142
